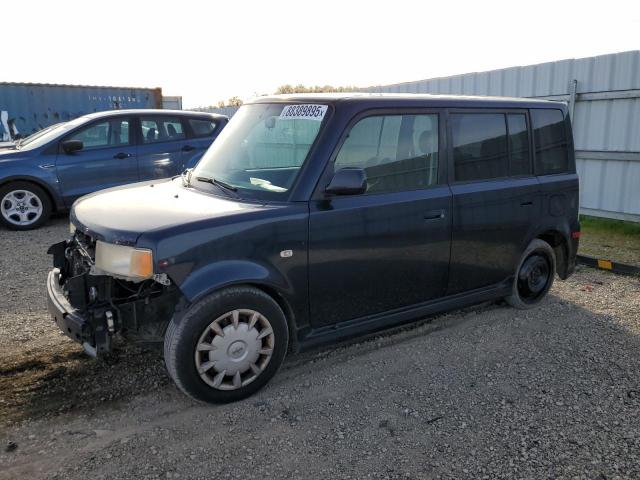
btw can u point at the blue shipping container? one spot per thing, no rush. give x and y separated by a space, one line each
28 107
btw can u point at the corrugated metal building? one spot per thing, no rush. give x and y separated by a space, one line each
28 107
604 97
228 111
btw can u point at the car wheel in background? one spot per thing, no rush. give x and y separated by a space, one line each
534 276
226 346
23 206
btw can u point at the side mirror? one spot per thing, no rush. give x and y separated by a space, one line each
71 146
348 181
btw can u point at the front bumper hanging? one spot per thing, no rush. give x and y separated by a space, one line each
95 337
91 309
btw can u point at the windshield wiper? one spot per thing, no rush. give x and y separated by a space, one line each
186 177
229 189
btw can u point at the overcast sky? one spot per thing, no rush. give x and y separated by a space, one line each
207 51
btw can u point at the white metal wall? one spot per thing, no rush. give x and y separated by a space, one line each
604 93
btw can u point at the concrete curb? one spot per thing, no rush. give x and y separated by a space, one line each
614 267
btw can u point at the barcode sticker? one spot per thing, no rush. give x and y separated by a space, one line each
305 112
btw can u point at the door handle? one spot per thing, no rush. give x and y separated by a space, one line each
526 204
122 155
188 148
434 215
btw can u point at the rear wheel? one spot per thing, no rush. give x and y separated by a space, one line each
23 206
227 346
534 276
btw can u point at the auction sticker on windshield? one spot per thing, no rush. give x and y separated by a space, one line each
304 112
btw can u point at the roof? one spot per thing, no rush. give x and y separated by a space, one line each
148 111
405 99
67 85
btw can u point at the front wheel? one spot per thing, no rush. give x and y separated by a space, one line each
534 276
226 346
23 206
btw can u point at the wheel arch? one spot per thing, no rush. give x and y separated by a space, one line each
560 244
229 274
284 304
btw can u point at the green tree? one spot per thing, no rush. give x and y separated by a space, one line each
287 88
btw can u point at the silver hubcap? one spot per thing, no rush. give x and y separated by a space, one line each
234 349
21 207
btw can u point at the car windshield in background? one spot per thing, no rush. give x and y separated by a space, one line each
38 134
43 138
261 151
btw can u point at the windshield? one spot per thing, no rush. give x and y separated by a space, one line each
45 136
38 134
261 150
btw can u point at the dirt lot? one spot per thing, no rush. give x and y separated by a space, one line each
488 392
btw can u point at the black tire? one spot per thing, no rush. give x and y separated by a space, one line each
534 276
184 334
41 197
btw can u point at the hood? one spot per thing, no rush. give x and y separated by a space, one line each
122 214
10 153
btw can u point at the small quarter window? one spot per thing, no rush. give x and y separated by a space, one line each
397 152
202 128
550 141
479 146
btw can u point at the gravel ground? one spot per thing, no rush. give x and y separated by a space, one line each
487 392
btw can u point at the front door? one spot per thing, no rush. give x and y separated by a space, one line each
107 159
389 247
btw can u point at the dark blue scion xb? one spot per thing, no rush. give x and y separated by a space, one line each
49 170
312 219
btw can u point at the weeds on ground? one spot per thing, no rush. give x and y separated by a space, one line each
615 240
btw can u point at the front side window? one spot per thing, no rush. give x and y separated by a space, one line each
161 129
262 149
397 152
550 141
108 133
479 146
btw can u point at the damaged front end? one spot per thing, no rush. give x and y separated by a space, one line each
91 307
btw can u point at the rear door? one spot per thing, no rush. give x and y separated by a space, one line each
496 197
201 133
107 159
389 247
160 146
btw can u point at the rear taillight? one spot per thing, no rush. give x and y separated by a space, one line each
576 234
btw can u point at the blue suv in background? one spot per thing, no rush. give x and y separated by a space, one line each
46 173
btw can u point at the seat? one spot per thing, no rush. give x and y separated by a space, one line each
151 135
425 142
171 131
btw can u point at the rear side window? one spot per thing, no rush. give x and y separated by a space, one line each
161 129
479 146
550 141
202 128
518 144
397 152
